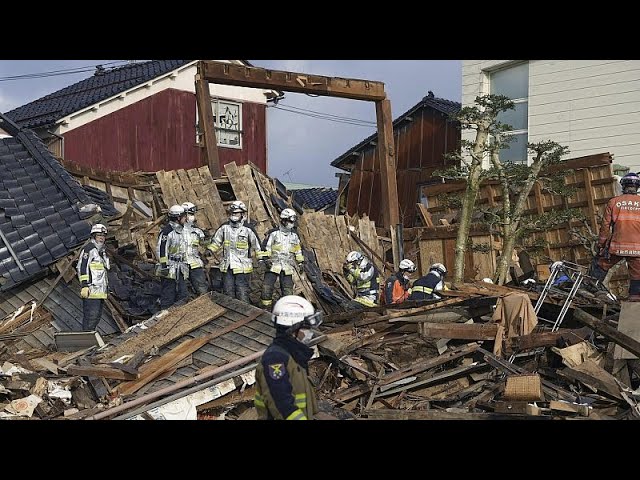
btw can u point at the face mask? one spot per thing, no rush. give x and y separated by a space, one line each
235 218
191 218
307 335
406 275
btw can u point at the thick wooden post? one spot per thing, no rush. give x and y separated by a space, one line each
387 163
205 121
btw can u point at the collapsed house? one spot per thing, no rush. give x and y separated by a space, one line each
481 352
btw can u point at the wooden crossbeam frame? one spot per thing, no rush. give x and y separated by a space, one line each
222 73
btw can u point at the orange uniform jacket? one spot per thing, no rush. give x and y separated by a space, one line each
622 222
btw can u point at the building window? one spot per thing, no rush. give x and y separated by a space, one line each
227 118
513 82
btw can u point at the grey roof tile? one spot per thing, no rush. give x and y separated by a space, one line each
33 185
48 109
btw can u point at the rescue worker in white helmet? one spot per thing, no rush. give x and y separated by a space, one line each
92 273
364 277
425 287
238 243
619 236
193 238
283 389
396 288
281 253
171 252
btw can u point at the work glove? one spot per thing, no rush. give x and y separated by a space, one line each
208 253
163 270
300 267
84 293
267 263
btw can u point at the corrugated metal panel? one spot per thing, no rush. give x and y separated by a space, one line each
158 133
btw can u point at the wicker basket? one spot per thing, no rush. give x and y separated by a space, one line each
524 387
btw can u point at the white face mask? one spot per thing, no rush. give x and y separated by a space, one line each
307 335
235 218
191 218
287 225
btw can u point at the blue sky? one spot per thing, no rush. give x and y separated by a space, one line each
301 145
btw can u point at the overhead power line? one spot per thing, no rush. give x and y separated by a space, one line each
337 119
54 73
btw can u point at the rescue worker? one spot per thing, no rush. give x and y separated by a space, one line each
92 273
364 277
193 236
283 389
396 288
619 236
236 241
171 253
281 253
425 287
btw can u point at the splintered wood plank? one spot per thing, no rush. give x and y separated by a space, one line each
157 367
205 186
177 322
266 189
245 190
168 195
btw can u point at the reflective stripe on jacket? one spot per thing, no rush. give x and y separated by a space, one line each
236 244
92 270
621 223
283 389
367 283
284 249
170 249
423 288
192 236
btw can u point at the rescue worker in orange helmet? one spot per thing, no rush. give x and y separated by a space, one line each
619 237
283 389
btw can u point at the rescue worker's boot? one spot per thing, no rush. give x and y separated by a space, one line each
634 291
596 271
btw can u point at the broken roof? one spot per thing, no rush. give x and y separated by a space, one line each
441 105
39 207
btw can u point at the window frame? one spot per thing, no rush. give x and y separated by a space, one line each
215 105
489 74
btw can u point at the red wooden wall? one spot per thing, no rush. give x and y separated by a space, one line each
159 133
420 145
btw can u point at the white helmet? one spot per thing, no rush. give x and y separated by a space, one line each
288 214
175 212
439 267
291 310
407 265
190 208
99 228
354 257
237 206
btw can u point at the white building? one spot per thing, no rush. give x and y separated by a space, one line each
590 106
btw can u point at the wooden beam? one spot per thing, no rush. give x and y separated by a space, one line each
229 74
100 371
593 218
462 331
206 123
387 164
608 331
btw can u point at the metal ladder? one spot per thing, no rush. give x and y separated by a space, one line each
577 273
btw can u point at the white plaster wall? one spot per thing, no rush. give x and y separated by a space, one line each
591 106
